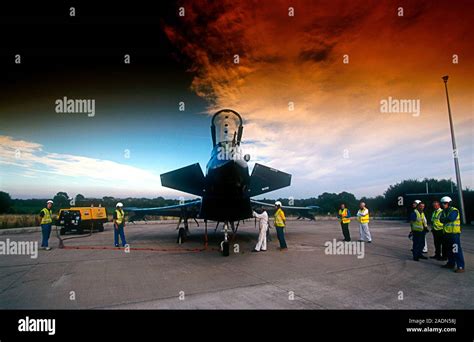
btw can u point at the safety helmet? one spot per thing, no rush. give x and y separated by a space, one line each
446 199
119 204
417 202
50 201
278 203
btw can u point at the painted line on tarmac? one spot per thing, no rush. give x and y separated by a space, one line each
149 249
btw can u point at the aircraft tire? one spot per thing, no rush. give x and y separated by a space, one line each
181 235
225 248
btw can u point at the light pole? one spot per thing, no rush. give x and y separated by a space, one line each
455 155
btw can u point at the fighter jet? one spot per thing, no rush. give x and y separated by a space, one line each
226 189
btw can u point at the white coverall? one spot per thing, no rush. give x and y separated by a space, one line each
364 227
263 226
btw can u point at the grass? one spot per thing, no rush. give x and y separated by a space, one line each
18 220
31 220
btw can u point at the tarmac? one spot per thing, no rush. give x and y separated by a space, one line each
156 273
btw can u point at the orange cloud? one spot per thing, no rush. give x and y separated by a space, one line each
300 99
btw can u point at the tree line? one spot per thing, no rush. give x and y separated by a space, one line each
395 201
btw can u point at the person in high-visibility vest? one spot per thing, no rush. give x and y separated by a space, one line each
119 225
437 228
344 218
280 221
363 218
451 220
419 227
410 236
46 215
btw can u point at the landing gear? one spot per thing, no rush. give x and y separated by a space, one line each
181 235
182 231
225 243
225 248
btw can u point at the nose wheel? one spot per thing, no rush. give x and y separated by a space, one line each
225 243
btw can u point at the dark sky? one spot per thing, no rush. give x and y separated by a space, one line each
89 48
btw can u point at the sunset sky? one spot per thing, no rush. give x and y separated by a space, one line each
309 87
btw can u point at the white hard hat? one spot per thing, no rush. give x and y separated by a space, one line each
446 199
119 204
417 201
50 201
278 203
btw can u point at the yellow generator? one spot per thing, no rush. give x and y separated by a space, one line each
80 218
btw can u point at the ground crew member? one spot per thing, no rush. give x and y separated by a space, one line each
437 228
363 218
119 225
344 217
412 209
269 236
46 215
410 236
280 221
418 227
452 235
262 217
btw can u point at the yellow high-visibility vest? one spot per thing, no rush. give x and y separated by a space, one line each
365 218
279 218
418 225
437 224
343 216
120 216
48 216
455 226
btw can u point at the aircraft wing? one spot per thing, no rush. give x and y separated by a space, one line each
265 179
189 209
188 179
306 212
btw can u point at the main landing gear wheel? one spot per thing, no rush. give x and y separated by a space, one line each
181 235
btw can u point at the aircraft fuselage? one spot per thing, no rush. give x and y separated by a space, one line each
226 188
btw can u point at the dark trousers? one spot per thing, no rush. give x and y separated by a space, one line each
119 231
281 237
418 244
45 232
345 231
455 255
440 244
